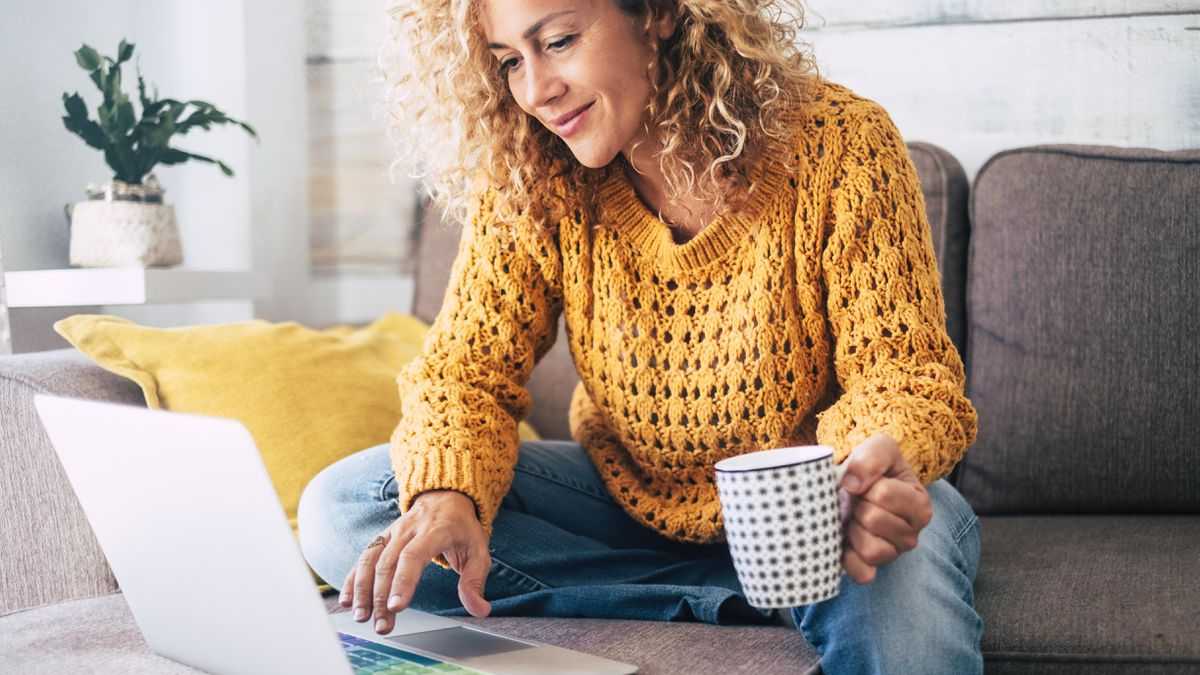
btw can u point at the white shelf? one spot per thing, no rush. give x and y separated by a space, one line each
129 286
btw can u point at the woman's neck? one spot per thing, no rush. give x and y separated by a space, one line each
687 215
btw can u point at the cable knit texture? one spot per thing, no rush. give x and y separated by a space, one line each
813 314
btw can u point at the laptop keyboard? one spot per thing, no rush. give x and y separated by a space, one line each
368 657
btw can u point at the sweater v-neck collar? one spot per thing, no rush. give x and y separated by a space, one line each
654 239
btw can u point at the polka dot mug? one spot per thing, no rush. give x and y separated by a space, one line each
780 509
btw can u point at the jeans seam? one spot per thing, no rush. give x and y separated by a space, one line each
963 530
565 483
537 583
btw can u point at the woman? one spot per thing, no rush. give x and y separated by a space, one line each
740 252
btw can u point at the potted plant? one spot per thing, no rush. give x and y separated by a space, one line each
125 222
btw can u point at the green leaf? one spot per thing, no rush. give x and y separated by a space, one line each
97 76
176 156
249 129
105 113
124 52
200 118
209 115
77 122
112 89
87 58
125 118
157 136
173 156
148 104
119 163
75 105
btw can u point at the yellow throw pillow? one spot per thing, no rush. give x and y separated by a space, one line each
309 397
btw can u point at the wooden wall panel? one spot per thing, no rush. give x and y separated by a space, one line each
839 14
976 89
361 222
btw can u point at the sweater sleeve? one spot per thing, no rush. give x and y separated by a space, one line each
898 370
462 398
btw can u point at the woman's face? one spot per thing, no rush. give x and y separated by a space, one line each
560 57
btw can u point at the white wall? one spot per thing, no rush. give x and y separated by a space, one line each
979 76
246 58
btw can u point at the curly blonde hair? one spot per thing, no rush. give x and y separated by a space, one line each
726 77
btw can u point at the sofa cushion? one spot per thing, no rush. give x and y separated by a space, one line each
554 379
1083 299
99 635
1089 594
47 550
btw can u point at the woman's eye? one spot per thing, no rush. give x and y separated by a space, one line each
507 65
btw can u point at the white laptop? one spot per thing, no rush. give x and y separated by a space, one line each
196 537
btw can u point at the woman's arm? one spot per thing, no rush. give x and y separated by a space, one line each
898 370
462 398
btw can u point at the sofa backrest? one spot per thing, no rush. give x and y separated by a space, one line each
1083 301
945 188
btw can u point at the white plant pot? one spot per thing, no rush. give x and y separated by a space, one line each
124 234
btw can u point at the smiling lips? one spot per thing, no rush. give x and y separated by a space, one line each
570 122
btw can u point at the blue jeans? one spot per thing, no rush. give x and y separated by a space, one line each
562 547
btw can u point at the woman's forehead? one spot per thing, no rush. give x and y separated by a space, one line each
509 21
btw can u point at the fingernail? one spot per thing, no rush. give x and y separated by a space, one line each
380 625
394 602
851 483
360 613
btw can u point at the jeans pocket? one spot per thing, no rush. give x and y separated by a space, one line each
504 580
389 490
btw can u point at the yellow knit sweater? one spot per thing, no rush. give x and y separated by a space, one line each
813 315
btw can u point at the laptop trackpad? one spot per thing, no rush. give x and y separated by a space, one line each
458 642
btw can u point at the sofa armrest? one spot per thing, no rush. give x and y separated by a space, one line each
48 552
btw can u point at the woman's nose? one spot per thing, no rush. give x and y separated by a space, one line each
542 84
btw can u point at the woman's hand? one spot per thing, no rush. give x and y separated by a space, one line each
386 574
887 509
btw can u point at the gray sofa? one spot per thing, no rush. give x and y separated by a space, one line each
1072 286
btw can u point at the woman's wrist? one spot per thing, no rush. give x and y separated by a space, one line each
446 496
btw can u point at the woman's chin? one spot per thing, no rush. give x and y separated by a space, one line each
591 158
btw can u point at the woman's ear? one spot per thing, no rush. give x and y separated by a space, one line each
664 24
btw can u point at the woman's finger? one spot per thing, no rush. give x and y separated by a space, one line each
347 597
886 525
364 579
873 550
412 560
385 570
907 500
473 578
856 567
